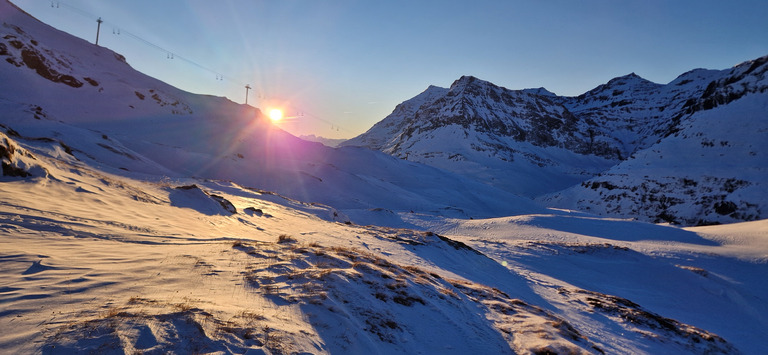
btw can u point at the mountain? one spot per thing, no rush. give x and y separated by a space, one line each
89 98
707 164
99 261
481 130
330 142
591 151
139 218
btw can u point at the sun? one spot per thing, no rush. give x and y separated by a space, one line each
275 115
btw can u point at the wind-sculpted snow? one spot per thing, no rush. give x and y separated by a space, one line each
98 262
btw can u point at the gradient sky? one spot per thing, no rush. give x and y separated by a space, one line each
346 64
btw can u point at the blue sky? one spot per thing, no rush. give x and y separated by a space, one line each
346 64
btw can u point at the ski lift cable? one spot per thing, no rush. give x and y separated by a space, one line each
333 125
173 55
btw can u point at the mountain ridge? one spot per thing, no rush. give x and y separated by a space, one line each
130 123
500 136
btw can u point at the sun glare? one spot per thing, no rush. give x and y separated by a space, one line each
276 115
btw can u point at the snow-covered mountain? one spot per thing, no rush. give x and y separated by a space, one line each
481 130
139 218
88 98
94 261
705 164
534 143
330 142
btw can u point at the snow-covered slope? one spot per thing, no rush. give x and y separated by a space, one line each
524 142
534 143
96 262
709 166
162 225
88 98
330 142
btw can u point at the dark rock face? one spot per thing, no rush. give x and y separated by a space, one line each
739 81
10 170
670 199
22 50
9 158
33 60
482 107
7 150
611 121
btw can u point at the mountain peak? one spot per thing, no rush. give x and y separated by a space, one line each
629 78
471 81
471 85
464 81
539 91
631 82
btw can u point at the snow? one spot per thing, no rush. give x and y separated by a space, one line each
330 142
701 276
109 263
688 152
189 224
708 163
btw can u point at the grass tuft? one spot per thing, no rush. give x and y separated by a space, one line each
285 238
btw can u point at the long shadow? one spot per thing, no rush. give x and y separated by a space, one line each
194 198
619 230
464 261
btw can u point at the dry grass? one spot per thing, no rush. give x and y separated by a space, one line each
448 292
182 307
112 312
285 238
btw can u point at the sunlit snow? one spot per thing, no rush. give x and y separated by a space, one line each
139 218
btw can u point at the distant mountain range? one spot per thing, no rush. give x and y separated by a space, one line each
689 152
330 142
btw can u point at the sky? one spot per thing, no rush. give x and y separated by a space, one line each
336 67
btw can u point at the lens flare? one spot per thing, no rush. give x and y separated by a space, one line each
276 115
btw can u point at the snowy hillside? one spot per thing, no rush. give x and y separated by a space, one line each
482 131
330 142
138 218
709 165
97 262
534 143
123 120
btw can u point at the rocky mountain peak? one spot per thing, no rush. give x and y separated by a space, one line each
619 85
465 80
468 84
629 79
532 142
539 91
747 78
